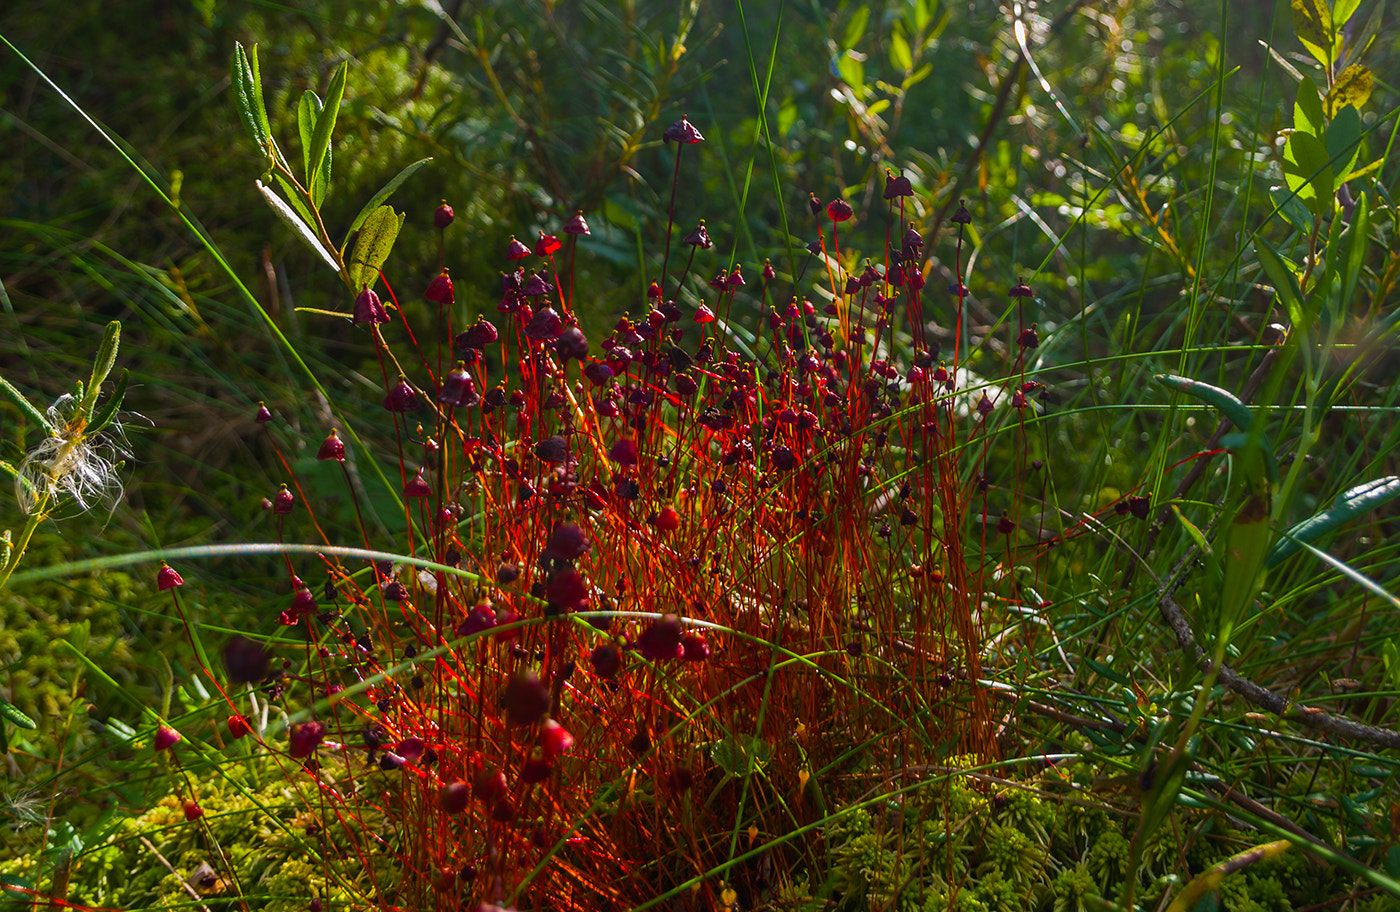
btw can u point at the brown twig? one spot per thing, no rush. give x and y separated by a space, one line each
199 901
1307 716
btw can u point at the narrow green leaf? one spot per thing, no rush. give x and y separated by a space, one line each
288 215
111 407
855 28
1197 536
917 76
25 406
1362 171
294 197
923 13
1349 505
102 365
900 55
372 248
259 105
1361 40
1390 653
1287 204
321 183
1358 240
1246 539
384 193
1167 778
242 81
1343 10
852 71
940 25
1285 285
1104 671
308 109
325 122
1230 405
1307 168
1353 87
1210 880
10 712
344 315
1307 109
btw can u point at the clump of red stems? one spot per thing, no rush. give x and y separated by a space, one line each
627 553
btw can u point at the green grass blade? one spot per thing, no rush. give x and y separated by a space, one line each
25 406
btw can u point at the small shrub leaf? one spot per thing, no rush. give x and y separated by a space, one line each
1247 538
384 193
1344 139
1343 10
1313 23
900 55
246 98
289 215
372 248
1354 258
1207 882
855 29
1197 536
294 195
1308 170
325 123
308 109
1287 204
1307 109
1353 87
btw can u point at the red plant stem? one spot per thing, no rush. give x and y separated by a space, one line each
671 218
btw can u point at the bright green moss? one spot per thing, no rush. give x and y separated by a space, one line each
279 851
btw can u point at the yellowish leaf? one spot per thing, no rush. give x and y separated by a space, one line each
1353 87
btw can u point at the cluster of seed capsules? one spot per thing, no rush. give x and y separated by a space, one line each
621 534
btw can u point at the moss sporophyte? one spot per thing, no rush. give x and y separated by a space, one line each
626 554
